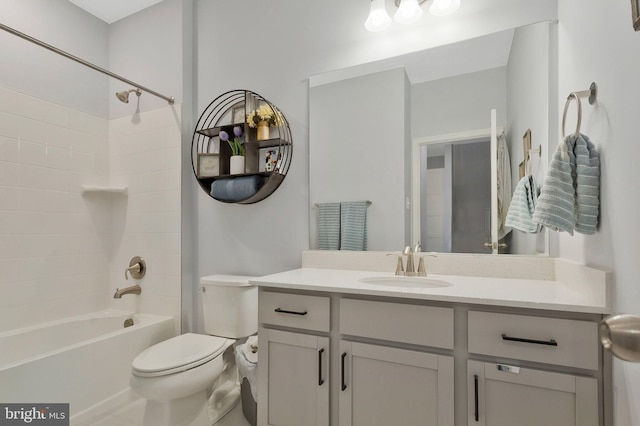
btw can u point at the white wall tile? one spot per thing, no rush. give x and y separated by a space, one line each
9 149
62 253
9 125
34 154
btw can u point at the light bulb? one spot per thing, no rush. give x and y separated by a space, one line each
378 19
408 12
444 7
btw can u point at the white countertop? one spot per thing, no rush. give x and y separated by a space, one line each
508 292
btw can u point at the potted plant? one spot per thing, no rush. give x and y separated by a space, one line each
236 162
262 118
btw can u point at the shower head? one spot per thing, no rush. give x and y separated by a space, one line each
124 95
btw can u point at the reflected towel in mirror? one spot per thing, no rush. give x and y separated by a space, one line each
523 205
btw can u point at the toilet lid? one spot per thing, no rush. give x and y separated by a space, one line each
177 354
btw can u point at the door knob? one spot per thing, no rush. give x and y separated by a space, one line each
620 334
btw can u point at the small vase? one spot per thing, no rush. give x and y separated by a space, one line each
263 130
236 164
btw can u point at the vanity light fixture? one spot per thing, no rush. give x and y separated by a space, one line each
378 19
444 7
409 11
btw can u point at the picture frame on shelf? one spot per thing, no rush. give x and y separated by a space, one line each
635 14
208 165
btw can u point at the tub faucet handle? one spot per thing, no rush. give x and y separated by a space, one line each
137 268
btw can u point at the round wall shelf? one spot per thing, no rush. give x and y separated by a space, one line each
267 148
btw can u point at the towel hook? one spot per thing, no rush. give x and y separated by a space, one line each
592 93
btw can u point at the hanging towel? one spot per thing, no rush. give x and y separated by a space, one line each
328 226
504 186
587 185
353 225
556 205
523 205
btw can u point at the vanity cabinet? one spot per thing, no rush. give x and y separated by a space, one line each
505 393
293 372
382 362
383 385
294 366
328 358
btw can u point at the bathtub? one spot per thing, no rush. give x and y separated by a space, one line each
84 361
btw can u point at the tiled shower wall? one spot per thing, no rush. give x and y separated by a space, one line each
63 252
145 157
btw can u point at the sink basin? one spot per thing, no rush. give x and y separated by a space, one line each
404 281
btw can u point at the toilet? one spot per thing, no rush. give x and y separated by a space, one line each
191 379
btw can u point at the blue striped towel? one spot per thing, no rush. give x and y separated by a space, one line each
523 204
570 198
328 226
556 205
587 186
353 225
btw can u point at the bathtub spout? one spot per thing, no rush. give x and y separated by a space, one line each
134 289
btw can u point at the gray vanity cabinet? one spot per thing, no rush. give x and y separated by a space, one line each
513 390
388 386
293 366
351 360
508 395
293 372
385 385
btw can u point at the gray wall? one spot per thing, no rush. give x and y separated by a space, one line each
38 72
458 104
529 74
358 152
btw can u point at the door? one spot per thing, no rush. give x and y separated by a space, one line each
293 379
389 386
504 395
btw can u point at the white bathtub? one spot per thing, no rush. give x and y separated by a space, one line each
83 360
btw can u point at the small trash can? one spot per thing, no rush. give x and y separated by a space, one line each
247 362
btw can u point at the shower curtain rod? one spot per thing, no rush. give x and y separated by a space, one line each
15 32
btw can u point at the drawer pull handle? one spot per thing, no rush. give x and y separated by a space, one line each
549 342
284 311
342 357
320 380
476 405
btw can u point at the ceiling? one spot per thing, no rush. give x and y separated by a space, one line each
112 10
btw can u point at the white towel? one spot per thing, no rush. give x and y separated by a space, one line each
523 205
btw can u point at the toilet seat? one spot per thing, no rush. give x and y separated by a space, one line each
178 354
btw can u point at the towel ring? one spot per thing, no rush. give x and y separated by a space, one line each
591 93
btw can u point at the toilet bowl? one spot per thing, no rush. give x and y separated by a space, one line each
191 379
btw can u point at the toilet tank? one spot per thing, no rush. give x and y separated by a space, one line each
229 306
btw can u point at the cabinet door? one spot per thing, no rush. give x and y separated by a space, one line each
388 386
293 379
503 395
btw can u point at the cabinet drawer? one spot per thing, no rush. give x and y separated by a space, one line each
415 324
548 340
294 310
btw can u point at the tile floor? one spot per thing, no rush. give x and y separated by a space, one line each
132 412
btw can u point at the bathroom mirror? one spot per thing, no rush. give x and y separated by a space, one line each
444 92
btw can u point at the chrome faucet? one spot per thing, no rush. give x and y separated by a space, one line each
134 289
410 270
